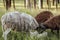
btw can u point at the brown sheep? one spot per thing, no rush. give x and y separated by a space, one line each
52 23
43 16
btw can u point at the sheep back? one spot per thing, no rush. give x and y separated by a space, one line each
53 22
43 16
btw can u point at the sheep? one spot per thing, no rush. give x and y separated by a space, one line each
43 16
16 21
52 23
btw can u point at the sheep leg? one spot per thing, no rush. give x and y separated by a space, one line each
6 33
2 31
5 37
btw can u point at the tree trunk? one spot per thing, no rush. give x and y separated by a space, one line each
58 1
41 3
14 4
29 5
34 3
4 2
56 4
25 3
53 2
47 2
8 4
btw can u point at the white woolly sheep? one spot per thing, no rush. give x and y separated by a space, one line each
16 21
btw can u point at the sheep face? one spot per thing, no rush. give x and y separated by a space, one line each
41 28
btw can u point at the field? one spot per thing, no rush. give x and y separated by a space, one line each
32 12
